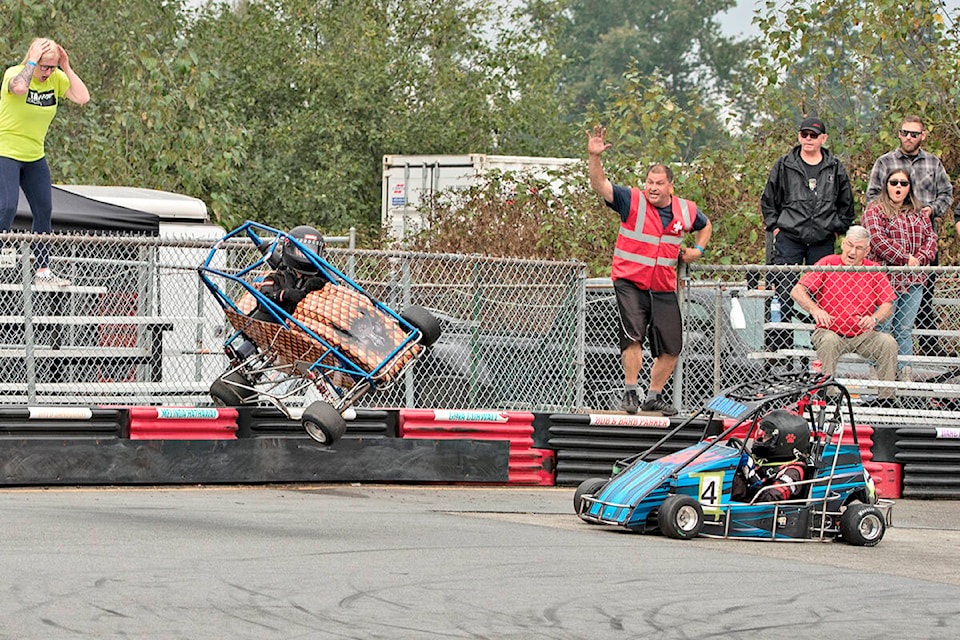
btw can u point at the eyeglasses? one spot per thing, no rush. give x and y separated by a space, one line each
47 67
898 183
913 134
809 134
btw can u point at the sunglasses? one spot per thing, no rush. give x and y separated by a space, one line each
898 183
809 134
913 134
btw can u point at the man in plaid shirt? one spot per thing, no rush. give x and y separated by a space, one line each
929 180
931 186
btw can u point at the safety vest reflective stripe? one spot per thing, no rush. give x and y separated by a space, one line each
645 252
634 257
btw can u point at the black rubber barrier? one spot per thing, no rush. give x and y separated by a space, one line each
884 447
586 450
39 461
62 422
931 462
270 422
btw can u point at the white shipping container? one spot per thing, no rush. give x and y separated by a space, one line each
408 179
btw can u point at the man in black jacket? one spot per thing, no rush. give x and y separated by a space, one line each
806 205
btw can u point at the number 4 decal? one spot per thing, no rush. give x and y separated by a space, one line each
711 490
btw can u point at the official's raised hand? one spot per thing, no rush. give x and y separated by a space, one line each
596 140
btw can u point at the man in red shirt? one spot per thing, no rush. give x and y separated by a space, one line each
847 307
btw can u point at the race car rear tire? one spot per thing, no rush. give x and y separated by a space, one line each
323 423
424 322
587 488
226 393
862 525
680 517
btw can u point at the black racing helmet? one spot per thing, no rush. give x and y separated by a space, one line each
294 258
781 436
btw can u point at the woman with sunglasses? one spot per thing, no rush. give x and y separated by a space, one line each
29 97
901 235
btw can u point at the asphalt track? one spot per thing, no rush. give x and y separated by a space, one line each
348 561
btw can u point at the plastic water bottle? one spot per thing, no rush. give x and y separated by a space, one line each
737 321
775 314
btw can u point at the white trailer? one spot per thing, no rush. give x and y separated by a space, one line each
408 179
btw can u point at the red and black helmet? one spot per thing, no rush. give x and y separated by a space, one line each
294 258
782 436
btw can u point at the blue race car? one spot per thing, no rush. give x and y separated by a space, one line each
705 489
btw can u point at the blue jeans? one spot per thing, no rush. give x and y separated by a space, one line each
789 251
900 324
34 179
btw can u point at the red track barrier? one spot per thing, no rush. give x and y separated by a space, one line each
527 465
886 478
182 423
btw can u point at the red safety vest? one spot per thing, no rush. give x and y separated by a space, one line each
648 256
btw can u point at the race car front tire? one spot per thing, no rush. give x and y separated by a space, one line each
227 390
424 322
323 423
680 517
862 525
587 488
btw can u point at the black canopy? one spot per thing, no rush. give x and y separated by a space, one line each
74 213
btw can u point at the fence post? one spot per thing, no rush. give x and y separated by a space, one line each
683 281
717 340
580 364
409 396
30 360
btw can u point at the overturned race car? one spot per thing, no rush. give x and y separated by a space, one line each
303 329
803 422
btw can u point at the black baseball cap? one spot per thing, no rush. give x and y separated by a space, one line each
813 124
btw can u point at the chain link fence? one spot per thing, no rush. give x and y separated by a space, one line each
136 326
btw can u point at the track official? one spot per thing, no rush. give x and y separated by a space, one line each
653 223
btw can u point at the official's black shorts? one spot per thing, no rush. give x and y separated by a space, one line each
654 312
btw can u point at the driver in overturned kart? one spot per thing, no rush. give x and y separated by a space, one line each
775 466
294 275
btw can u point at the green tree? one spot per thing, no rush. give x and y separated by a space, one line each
681 41
328 88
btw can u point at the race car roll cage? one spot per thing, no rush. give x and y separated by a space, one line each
814 393
317 371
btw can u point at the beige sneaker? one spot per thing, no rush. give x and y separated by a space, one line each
48 278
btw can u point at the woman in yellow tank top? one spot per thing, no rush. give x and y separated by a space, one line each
29 95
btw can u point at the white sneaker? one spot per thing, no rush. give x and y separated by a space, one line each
48 278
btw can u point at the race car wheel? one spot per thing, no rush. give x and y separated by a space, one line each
226 392
680 517
323 423
862 525
423 321
587 488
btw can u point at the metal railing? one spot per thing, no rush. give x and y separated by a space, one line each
136 327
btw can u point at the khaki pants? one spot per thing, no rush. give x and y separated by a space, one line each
879 347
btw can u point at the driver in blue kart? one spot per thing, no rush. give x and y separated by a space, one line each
776 464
